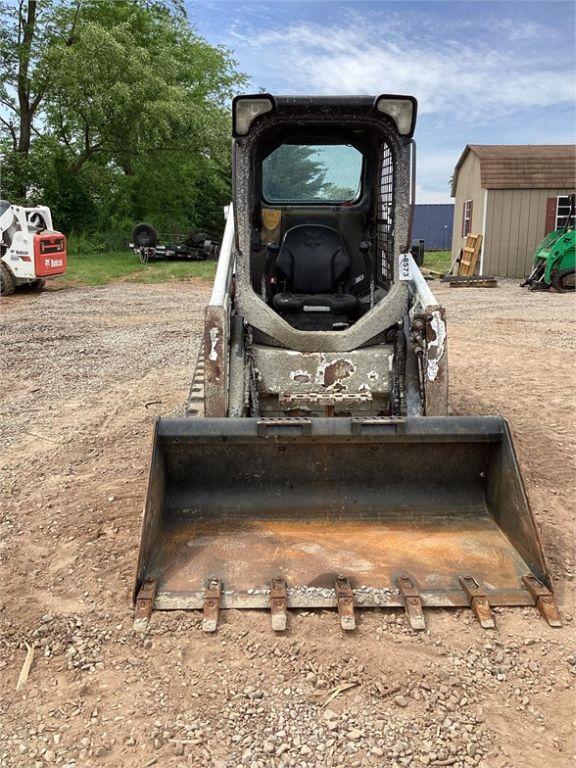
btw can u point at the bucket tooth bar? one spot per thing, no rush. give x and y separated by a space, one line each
278 602
544 600
478 601
345 603
412 602
144 604
211 607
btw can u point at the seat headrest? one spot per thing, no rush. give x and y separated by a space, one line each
313 259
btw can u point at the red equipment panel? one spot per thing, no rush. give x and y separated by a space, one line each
49 254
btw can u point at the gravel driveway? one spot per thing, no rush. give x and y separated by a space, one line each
83 375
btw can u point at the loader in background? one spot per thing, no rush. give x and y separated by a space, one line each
31 251
555 259
318 466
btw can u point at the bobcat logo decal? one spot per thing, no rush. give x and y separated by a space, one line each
312 240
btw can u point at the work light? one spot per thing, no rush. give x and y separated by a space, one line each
247 109
401 109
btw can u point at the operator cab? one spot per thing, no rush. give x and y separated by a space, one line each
312 189
317 231
322 197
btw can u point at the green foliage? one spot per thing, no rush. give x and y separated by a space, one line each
302 172
130 118
439 261
291 173
339 192
16 170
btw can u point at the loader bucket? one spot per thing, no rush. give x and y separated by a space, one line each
420 513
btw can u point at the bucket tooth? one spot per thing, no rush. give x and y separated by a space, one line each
144 604
544 600
278 604
478 601
345 603
412 602
211 605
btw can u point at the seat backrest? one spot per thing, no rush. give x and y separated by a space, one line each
313 259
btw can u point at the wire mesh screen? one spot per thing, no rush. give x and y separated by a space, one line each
385 228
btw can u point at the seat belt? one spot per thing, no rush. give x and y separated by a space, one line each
273 249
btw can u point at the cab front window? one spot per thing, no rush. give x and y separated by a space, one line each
312 173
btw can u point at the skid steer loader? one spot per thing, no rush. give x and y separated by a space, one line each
31 251
318 466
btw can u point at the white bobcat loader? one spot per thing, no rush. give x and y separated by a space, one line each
30 249
318 466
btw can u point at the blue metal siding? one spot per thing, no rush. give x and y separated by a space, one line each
433 224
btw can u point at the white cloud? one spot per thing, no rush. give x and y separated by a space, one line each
436 163
374 53
518 29
480 75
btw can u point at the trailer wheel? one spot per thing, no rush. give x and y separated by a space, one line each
565 281
144 236
7 282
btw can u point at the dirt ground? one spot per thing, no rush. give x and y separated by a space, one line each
84 373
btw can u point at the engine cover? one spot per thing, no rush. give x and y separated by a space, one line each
49 254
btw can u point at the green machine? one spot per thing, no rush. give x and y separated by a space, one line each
555 259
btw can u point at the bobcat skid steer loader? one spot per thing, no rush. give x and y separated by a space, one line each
318 466
30 250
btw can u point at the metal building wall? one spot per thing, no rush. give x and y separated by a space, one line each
433 224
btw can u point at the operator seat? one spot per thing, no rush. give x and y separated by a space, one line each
313 266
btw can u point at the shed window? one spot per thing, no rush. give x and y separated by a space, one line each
467 218
562 211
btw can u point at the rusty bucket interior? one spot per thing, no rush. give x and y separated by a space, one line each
243 502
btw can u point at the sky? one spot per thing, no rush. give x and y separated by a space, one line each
483 72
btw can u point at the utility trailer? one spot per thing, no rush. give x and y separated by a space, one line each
150 245
318 466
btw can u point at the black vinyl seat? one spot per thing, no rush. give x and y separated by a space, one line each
314 266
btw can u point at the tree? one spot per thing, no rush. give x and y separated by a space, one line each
338 192
28 31
291 173
137 80
120 103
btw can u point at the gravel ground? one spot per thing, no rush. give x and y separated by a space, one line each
84 373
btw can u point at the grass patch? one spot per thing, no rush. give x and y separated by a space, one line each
104 268
439 261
